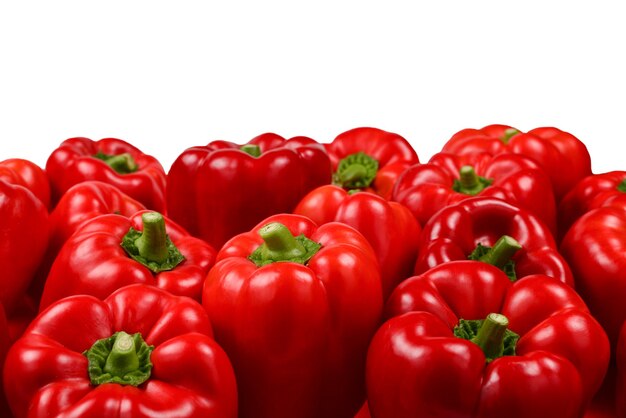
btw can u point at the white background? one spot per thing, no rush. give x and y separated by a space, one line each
169 75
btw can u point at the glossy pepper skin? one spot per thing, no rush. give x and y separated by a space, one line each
449 178
389 227
23 240
296 334
28 174
93 262
223 189
562 156
80 203
598 190
595 247
455 231
47 373
5 343
417 366
111 161
390 152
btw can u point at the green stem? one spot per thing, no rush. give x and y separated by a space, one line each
251 149
622 186
469 182
279 244
121 163
508 134
121 358
502 251
356 171
490 336
152 246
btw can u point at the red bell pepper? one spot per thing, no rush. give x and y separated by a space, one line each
595 247
23 240
140 353
620 394
112 251
464 230
370 159
295 307
598 190
109 160
561 155
389 227
5 343
80 203
224 189
449 178
463 341
28 174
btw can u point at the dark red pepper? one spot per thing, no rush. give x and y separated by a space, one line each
389 227
223 189
111 161
112 251
449 178
370 159
456 231
562 156
463 341
295 307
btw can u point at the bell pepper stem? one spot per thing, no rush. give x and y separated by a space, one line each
356 171
622 186
280 242
353 173
469 182
123 357
468 177
152 242
508 134
501 252
490 336
121 163
251 149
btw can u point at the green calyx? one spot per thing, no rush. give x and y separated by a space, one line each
121 163
490 334
469 182
356 171
251 149
508 134
121 358
152 247
622 186
499 255
280 245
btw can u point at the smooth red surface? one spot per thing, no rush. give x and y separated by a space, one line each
454 232
393 153
218 191
389 227
427 188
28 174
297 334
46 372
92 262
416 367
562 156
73 162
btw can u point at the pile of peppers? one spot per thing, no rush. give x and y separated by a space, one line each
297 278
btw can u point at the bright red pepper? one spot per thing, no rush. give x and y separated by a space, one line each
389 227
370 159
28 174
449 178
595 247
598 190
295 316
23 240
112 251
223 189
561 155
450 348
140 353
455 232
80 203
111 161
